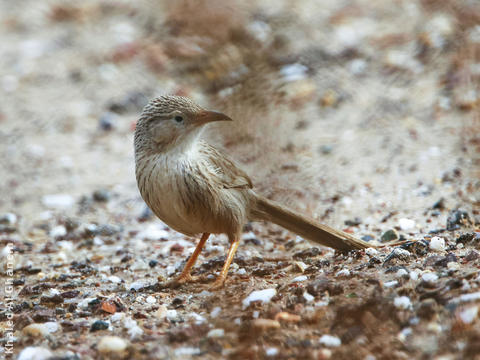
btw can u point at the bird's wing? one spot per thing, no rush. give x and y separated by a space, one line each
223 170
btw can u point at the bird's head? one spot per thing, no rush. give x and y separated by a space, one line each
172 121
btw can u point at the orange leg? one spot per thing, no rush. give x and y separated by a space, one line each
185 276
223 275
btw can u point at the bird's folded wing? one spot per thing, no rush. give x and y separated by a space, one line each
223 170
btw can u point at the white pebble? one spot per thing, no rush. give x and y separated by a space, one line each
151 300
430 278
414 275
132 328
402 302
300 278
259 295
406 224
216 311
271 351
34 353
187 351
389 284
109 344
8 218
469 297
401 273
58 201
114 279
216 333
371 252
437 244
84 303
241 271
469 315
51 326
153 232
136 285
293 72
117 316
172 314
308 297
344 272
256 314
330 341
58 231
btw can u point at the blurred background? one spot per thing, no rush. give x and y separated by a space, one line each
363 114
364 102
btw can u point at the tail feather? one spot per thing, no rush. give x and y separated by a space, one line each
307 228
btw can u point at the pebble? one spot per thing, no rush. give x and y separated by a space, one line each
101 195
58 201
265 324
389 235
259 295
187 351
343 272
153 232
371 252
216 334
136 285
437 244
430 278
132 328
293 72
38 330
99 325
402 302
151 300
8 219
114 279
58 231
34 353
401 273
215 312
330 341
271 351
389 284
107 121
112 344
469 297
285 316
308 297
406 224
300 278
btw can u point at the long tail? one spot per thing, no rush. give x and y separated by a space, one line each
307 228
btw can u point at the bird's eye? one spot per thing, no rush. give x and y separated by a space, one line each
178 118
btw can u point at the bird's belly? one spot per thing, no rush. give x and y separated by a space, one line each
161 191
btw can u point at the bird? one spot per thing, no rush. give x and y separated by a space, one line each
196 189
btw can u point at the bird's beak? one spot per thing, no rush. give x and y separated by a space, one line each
205 116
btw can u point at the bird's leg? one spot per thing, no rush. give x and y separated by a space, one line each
185 276
223 275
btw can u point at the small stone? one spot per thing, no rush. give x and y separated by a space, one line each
308 297
401 273
300 278
367 238
107 121
101 195
150 300
437 244
271 351
58 201
326 149
263 296
36 330
34 353
402 302
406 224
389 235
136 285
265 324
152 263
472 255
58 231
390 284
469 315
430 278
371 252
439 204
99 325
287 317
112 344
8 219
457 218
216 334
343 273
215 312
330 341
355 222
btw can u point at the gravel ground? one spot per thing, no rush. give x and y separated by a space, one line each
364 115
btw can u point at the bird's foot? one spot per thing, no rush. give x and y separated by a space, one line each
218 284
183 279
